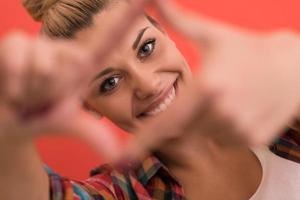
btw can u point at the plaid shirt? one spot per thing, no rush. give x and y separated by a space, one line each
150 181
287 146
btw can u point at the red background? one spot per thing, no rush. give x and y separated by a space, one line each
74 159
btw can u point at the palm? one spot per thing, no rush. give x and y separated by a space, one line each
242 92
43 82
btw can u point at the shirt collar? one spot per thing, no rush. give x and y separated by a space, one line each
151 167
144 171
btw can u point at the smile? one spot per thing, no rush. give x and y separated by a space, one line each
162 104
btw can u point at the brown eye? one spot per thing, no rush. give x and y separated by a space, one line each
146 49
109 84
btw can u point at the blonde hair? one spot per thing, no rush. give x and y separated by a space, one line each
64 18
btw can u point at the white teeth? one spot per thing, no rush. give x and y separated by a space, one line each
164 105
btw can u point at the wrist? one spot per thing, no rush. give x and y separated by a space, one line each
22 171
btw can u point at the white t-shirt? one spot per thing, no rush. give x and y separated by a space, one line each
281 177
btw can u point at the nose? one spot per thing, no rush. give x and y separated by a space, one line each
147 85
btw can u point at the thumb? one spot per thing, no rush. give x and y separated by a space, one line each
95 133
72 120
206 32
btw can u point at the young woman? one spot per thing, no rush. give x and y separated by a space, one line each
142 78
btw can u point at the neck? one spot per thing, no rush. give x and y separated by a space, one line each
207 165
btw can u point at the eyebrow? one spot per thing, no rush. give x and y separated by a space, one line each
139 37
102 73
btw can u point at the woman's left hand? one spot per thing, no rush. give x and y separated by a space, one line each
247 91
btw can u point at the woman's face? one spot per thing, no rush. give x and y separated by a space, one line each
143 76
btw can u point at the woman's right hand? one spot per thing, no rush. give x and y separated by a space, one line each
42 83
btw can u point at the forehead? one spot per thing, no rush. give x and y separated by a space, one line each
107 18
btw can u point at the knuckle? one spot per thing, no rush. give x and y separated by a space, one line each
283 35
14 40
284 42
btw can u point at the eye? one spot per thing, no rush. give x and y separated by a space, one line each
109 84
146 49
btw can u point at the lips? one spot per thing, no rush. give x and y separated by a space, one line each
161 103
167 101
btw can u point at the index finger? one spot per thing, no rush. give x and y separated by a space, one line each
200 29
104 41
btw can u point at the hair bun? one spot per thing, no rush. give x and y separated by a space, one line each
38 8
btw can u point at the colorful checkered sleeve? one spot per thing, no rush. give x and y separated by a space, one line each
150 181
65 189
287 146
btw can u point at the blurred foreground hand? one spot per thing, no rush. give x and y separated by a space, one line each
43 82
247 92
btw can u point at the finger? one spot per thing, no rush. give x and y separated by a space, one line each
6 119
96 134
100 47
13 61
202 30
38 76
94 52
167 126
73 73
272 127
69 118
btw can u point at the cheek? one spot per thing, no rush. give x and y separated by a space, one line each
117 107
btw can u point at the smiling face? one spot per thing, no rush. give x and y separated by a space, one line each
142 77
